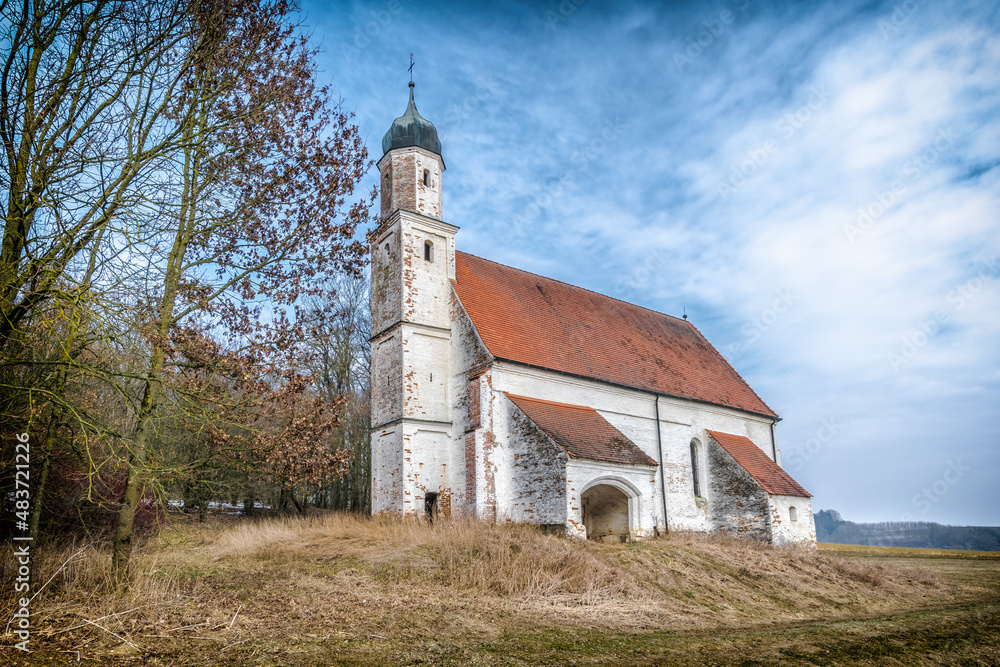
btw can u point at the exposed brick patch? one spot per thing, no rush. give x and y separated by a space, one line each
470 468
474 407
444 502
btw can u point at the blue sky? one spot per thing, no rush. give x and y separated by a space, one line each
816 184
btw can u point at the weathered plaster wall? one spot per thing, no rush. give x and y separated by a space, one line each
632 412
426 373
736 502
386 277
428 455
426 286
387 378
786 531
387 469
639 483
402 186
531 484
470 398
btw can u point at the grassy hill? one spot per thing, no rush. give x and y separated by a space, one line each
335 589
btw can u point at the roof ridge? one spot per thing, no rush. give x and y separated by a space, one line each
563 282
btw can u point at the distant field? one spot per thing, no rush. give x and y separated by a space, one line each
338 590
905 551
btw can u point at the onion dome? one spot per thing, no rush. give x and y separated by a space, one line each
411 129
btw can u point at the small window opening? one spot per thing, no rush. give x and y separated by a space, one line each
387 251
428 251
793 514
427 178
432 377
696 469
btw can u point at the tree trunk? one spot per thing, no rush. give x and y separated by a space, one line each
135 462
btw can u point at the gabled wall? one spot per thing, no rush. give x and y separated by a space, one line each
786 531
532 488
736 502
472 415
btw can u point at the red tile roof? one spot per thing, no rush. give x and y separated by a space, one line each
767 473
581 431
528 319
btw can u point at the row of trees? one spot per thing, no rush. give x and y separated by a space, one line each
179 204
831 527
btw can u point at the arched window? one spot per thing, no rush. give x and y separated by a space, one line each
386 184
793 514
428 251
427 178
386 250
696 468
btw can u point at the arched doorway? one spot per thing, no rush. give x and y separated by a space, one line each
606 513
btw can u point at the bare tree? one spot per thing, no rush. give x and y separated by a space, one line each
255 215
338 354
84 90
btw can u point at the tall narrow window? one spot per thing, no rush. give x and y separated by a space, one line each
427 178
428 251
793 514
696 469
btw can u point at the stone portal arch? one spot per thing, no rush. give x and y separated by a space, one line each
610 509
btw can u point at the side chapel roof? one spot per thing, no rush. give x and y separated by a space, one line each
581 431
760 466
536 321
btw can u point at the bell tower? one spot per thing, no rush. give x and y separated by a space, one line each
412 264
411 167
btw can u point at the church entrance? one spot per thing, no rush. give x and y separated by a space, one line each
605 513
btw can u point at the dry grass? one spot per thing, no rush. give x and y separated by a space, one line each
253 581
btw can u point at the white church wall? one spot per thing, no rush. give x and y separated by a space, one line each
426 289
387 378
403 187
429 199
639 483
387 469
632 412
785 530
471 416
427 457
426 372
386 277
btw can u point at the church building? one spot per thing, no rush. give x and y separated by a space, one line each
507 396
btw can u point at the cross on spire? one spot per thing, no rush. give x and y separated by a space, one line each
411 68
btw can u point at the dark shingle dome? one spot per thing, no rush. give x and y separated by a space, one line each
411 129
